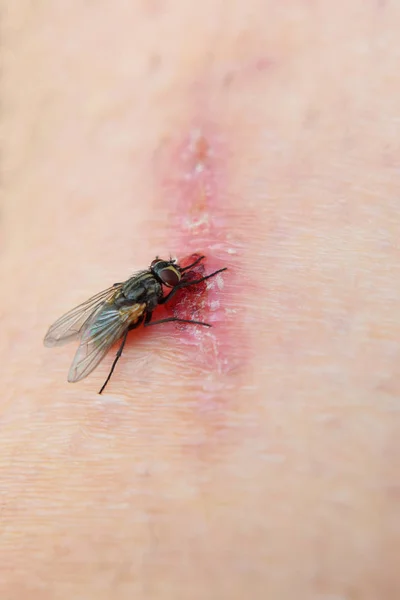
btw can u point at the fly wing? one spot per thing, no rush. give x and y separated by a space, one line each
70 325
101 332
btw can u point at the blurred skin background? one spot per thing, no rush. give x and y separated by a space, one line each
263 461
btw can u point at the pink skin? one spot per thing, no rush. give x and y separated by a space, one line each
258 459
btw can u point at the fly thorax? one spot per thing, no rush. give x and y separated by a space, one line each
153 293
144 289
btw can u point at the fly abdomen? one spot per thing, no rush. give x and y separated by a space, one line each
144 289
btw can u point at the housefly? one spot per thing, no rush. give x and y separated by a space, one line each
109 316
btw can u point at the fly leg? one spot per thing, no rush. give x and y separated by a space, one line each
148 321
120 349
184 284
193 264
116 359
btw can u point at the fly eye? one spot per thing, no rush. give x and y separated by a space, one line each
169 276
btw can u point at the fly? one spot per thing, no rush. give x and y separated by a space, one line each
110 315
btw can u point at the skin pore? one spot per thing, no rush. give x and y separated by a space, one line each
258 459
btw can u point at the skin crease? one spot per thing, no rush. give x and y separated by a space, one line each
276 477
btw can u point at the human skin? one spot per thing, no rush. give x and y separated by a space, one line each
258 460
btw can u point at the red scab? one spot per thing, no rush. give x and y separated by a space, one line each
203 302
189 302
202 218
192 175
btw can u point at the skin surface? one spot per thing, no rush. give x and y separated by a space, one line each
260 462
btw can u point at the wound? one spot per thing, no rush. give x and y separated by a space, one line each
193 187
